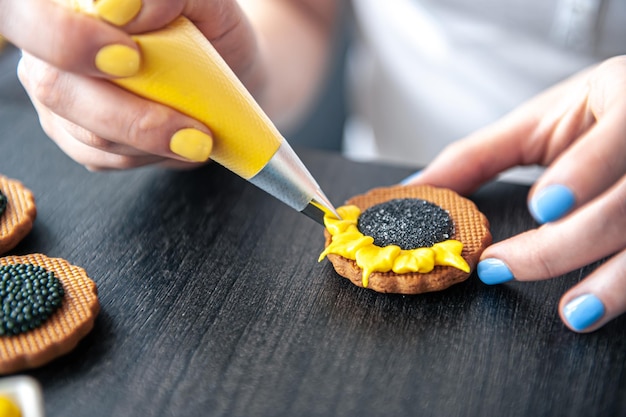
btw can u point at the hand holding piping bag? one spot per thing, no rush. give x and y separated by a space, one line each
70 57
178 67
576 129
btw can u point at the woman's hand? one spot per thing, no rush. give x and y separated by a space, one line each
67 62
578 130
69 59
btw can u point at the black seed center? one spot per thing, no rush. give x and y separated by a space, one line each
408 222
29 295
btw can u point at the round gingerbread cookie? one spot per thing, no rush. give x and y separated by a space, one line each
469 226
65 295
18 216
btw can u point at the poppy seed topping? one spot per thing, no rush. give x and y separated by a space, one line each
409 223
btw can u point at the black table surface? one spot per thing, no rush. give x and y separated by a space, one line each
213 303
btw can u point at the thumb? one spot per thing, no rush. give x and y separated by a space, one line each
534 133
466 164
65 39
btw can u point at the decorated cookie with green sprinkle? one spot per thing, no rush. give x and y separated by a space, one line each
18 215
48 305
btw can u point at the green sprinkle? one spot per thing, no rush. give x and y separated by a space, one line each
29 295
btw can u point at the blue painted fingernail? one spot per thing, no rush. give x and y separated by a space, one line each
583 311
411 177
493 271
551 203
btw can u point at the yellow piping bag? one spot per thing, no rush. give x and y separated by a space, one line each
181 69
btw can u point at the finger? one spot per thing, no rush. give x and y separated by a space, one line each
93 158
224 23
113 115
229 30
68 40
586 235
464 165
137 16
520 138
96 159
598 299
597 159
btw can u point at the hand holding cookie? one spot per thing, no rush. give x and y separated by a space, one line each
375 244
576 129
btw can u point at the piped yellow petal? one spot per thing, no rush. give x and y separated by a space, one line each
349 216
448 253
118 12
374 258
349 212
415 260
336 226
347 245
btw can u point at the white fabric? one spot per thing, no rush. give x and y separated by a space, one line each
425 73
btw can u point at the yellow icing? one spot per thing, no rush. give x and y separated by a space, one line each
349 242
8 407
182 70
415 260
373 258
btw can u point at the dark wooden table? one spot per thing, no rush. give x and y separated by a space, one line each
214 304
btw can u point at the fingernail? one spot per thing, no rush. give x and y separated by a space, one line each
192 144
410 178
583 311
493 271
551 203
118 60
118 12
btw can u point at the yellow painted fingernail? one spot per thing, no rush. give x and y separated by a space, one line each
192 144
118 12
118 60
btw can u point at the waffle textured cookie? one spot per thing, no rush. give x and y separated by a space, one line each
63 329
470 227
16 221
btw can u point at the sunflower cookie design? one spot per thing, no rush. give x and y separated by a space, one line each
406 239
